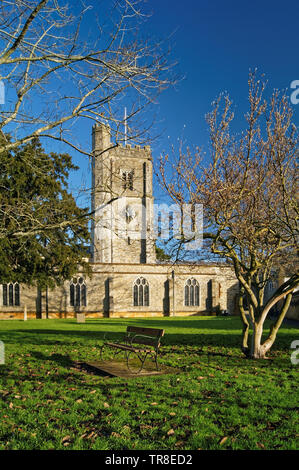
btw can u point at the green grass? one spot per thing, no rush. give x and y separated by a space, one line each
218 400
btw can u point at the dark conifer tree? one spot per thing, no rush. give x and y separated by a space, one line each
43 233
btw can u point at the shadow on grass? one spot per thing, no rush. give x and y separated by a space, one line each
66 361
202 323
62 372
95 338
214 332
62 360
205 358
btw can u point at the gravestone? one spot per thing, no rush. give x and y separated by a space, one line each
80 317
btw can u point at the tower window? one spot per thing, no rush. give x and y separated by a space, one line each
124 180
192 293
11 294
141 292
78 292
127 179
130 180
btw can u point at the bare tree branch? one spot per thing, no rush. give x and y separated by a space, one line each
249 192
54 74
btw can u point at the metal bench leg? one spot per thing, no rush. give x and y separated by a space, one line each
156 361
141 359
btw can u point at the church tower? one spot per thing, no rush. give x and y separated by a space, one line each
122 201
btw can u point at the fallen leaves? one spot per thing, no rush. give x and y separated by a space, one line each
89 435
78 414
223 440
66 441
126 429
143 427
260 445
179 444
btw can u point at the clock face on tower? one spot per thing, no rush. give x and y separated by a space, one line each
130 214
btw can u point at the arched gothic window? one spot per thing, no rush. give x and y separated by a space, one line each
191 293
141 292
11 294
78 292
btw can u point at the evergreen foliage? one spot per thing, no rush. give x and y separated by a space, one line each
43 233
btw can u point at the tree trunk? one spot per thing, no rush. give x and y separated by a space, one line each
275 327
245 334
245 322
257 351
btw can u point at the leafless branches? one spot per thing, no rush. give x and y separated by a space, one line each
54 73
249 191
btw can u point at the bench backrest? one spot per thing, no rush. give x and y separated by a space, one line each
145 336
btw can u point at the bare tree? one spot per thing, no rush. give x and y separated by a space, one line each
61 64
54 72
249 191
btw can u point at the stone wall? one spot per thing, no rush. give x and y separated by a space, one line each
110 293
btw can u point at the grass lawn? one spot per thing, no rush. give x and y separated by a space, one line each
219 400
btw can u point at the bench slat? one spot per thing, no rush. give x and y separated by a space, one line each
156 332
143 340
129 348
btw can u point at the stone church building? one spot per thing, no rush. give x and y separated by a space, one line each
127 280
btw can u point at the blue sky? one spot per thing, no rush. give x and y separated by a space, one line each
214 43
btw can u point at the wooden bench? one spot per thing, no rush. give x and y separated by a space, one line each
140 342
